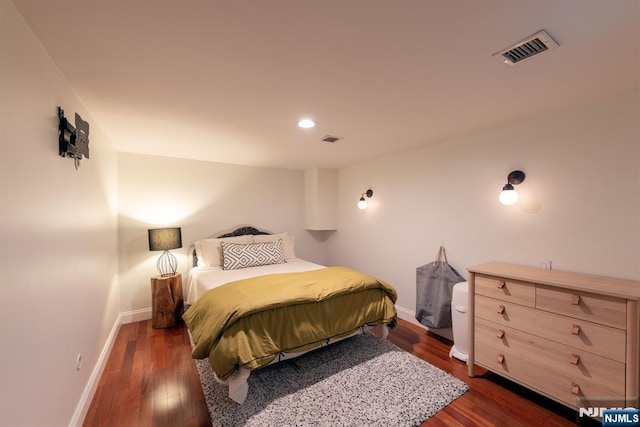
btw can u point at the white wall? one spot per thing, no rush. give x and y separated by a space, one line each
202 198
579 207
58 248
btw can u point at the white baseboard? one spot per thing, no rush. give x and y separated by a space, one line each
135 316
90 389
410 316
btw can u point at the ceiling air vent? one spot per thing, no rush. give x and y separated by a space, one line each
330 138
533 45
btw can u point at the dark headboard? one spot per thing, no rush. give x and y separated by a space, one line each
241 231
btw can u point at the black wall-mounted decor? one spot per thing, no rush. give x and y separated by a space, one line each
73 141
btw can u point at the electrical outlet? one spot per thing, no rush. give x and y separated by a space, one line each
79 361
546 265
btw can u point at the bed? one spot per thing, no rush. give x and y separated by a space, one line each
253 303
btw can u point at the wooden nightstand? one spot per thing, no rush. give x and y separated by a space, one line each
166 301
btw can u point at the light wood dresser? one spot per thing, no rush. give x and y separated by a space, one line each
572 337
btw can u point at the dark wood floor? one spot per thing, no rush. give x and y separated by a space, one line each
151 380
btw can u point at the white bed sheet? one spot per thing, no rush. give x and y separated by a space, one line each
202 279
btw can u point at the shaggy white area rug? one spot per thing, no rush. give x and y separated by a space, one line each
361 381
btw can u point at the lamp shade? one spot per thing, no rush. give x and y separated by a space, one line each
362 203
508 197
163 239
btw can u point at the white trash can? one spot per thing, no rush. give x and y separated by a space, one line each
459 305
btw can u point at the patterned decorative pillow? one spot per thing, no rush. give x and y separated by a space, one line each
209 252
235 256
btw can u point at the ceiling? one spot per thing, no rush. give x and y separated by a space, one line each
226 80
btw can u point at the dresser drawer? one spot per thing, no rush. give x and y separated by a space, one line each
579 364
595 308
507 290
603 340
557 385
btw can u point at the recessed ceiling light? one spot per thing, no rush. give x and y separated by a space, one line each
306 123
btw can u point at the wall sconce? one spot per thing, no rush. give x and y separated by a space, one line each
362 203
509 195
163 239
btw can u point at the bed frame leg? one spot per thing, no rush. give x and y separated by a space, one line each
238 385
385 331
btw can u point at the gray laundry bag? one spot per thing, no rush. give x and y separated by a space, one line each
434 287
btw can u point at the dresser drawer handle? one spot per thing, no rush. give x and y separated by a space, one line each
500 309
575 389
575 329
500 333
501 284
575 359
575 300
500 359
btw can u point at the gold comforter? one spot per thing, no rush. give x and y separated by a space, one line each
248 322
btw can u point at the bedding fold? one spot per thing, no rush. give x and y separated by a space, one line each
246 323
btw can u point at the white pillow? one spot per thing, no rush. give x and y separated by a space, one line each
209 252
288 241
235 256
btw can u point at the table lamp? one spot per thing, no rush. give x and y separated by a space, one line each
164 239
